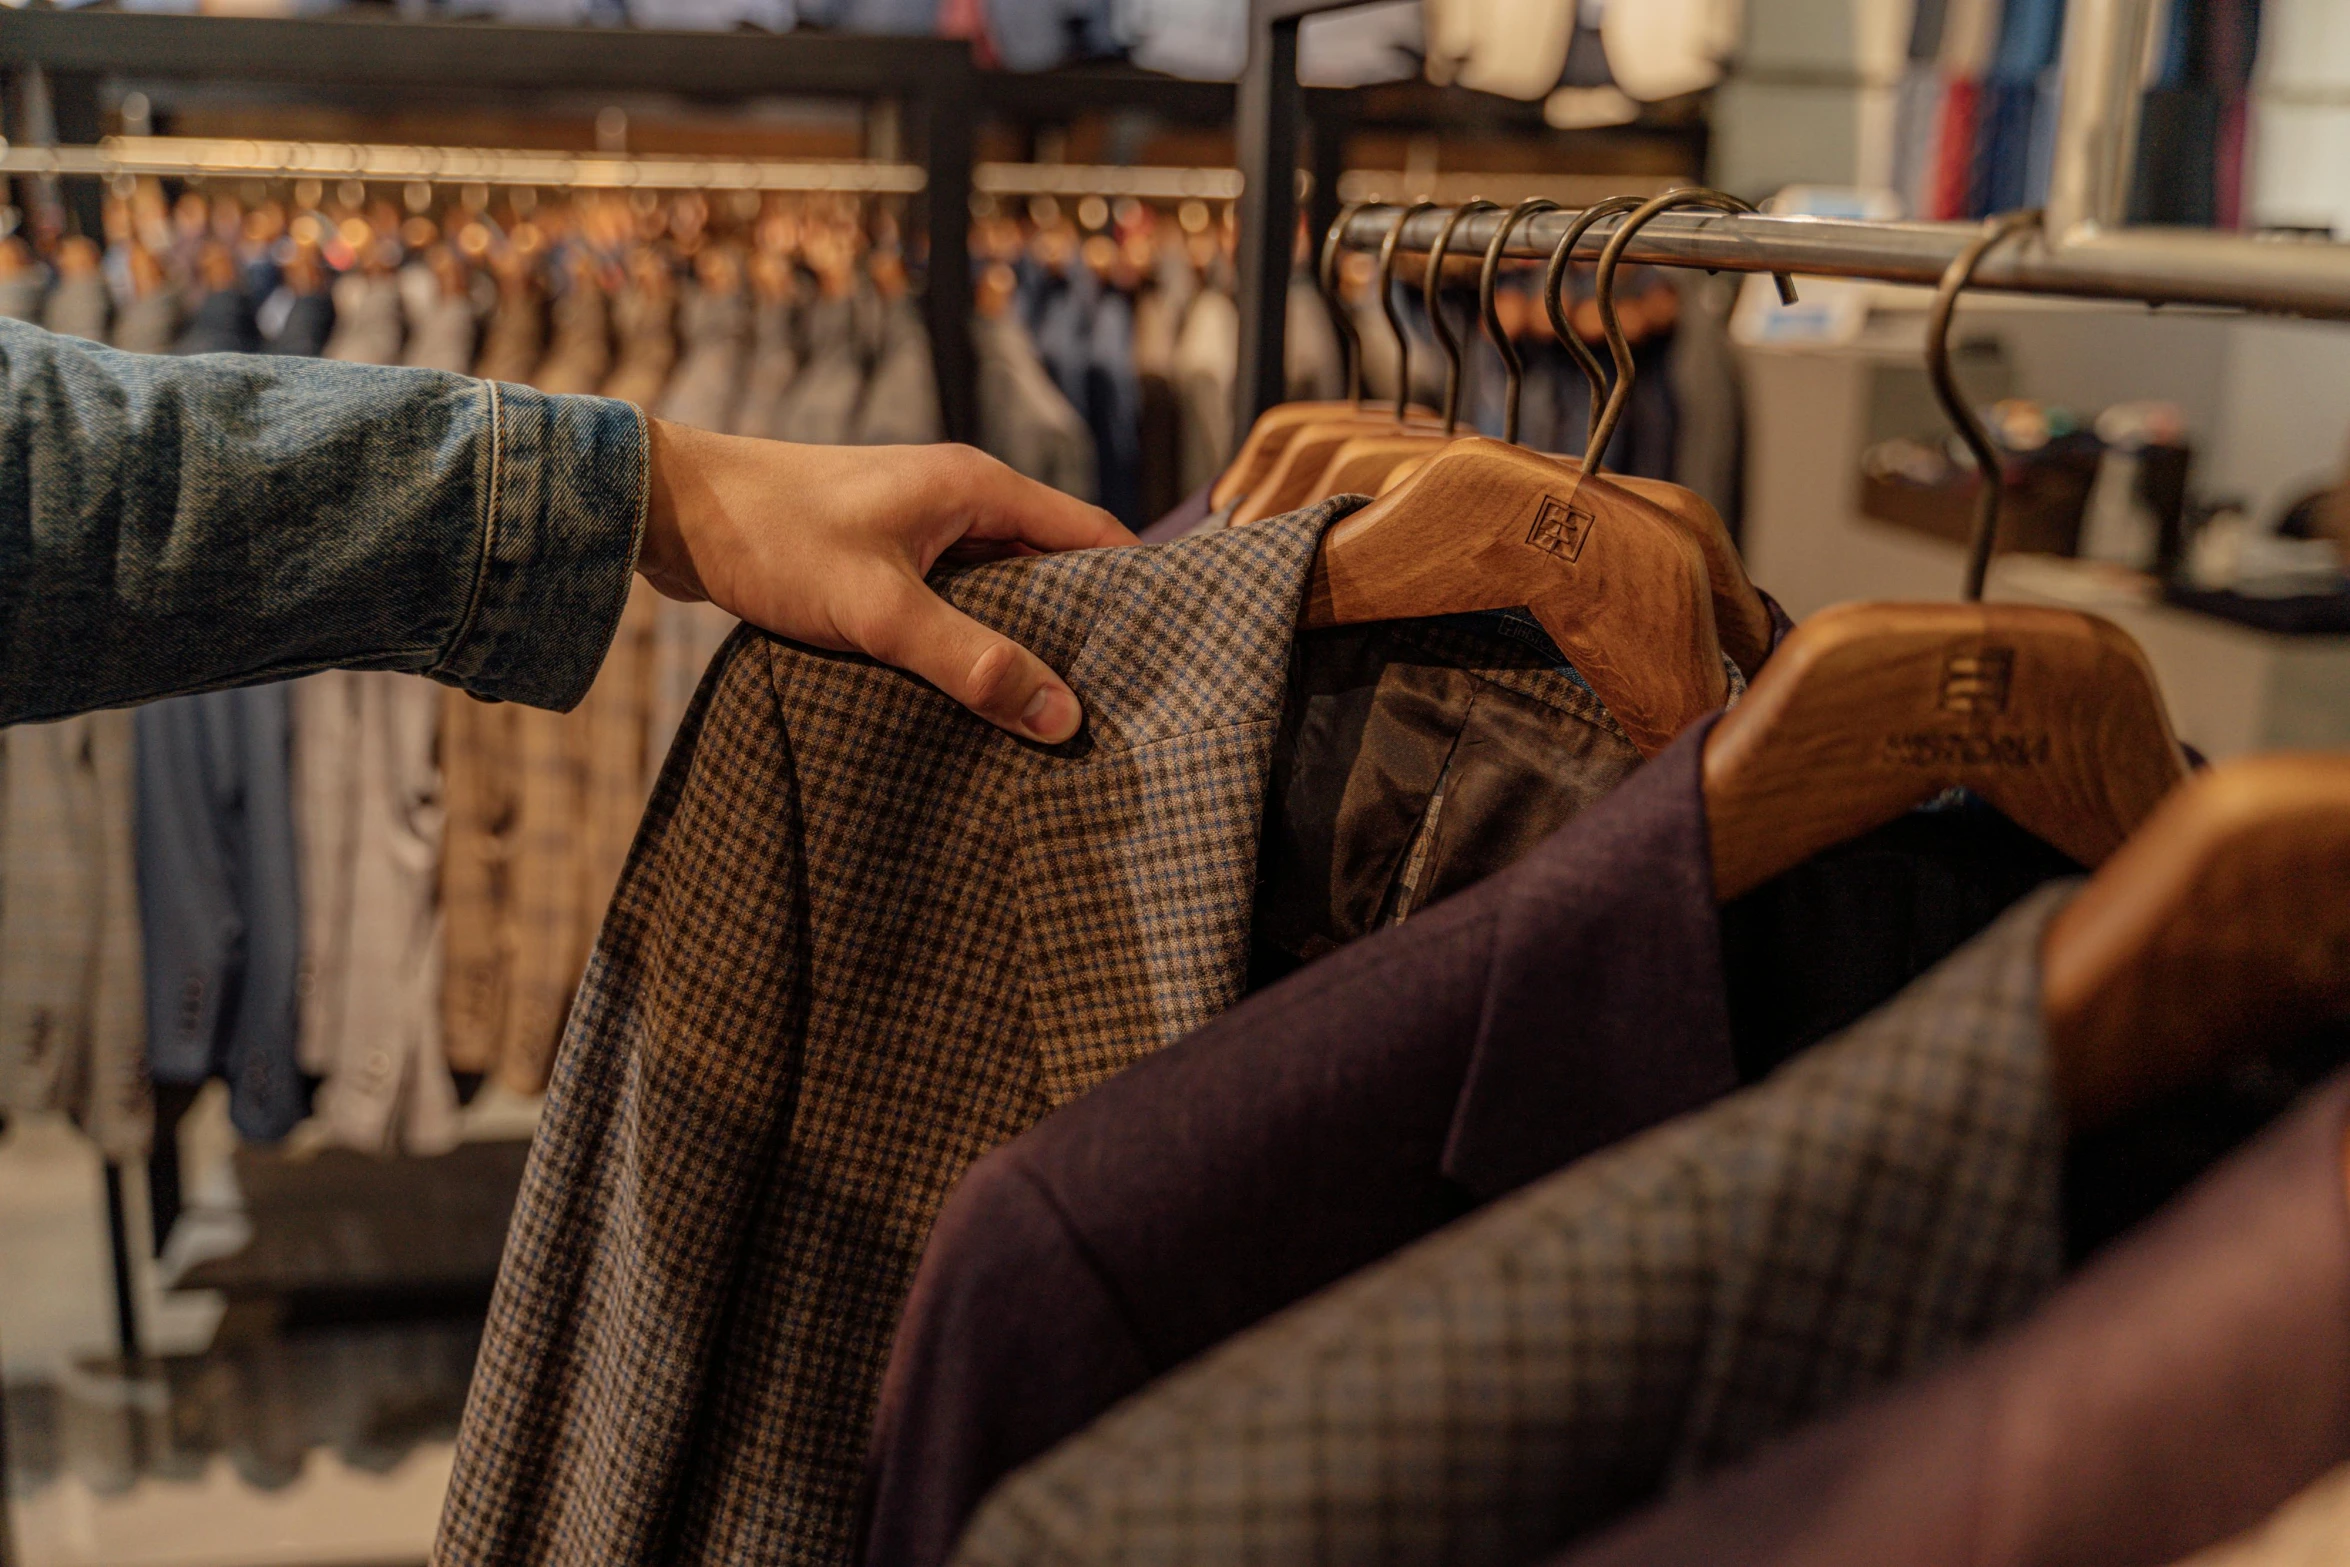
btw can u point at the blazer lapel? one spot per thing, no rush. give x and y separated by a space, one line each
1136 847
1606 1009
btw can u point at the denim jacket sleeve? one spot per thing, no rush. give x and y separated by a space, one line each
175 525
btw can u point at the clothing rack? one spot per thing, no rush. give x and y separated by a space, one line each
2300 277
66 55
190 157
63 58
2085 252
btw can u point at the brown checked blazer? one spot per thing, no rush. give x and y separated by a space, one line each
862 937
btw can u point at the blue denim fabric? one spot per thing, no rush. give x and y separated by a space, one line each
179 525
219 902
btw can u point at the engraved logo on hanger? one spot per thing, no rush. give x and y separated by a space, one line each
1974 685
1560 529
1929 748
1977 682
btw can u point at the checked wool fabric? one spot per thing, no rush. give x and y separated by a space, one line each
862 937
1666 1306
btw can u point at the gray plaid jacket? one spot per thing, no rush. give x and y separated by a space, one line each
1530 1372
862 938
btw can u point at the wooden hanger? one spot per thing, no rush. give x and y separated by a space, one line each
1739 610
1485 525
1512 365
2221 927
1869 709
1361 466
1741 618
1289 483
1277 426
1514 368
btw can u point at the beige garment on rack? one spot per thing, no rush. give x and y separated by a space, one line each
441 331
1024 420
899 406
1970 37
646 325
1311 367
1207 361
580 351
73 1032
513 338
542 807
368 816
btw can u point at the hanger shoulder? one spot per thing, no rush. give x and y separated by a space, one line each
1270 436
1289 482
2223 925
1484 525
1361 466
1264 444
1868 709
1401 472
1740 616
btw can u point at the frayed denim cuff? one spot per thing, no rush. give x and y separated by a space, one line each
563 514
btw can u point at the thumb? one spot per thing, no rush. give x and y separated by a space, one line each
984 670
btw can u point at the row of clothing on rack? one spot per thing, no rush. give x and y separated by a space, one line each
1655 52
1493 1047
363 884
777 320
1107 356
353 895
1137 331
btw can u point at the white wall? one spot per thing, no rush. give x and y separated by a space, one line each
1812 99
2285 426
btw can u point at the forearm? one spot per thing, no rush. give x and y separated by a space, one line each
175 525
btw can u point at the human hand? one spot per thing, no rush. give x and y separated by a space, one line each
828 545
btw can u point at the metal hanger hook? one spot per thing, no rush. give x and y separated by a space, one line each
1620 350
1403 341
1431 291
1326 276
1989 470
1513 369
1554 287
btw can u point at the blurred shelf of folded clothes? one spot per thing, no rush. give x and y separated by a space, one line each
2118 490
2131 465
2178 472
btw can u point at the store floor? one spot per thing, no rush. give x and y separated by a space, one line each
297 1412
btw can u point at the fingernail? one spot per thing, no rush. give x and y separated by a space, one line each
1051 714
